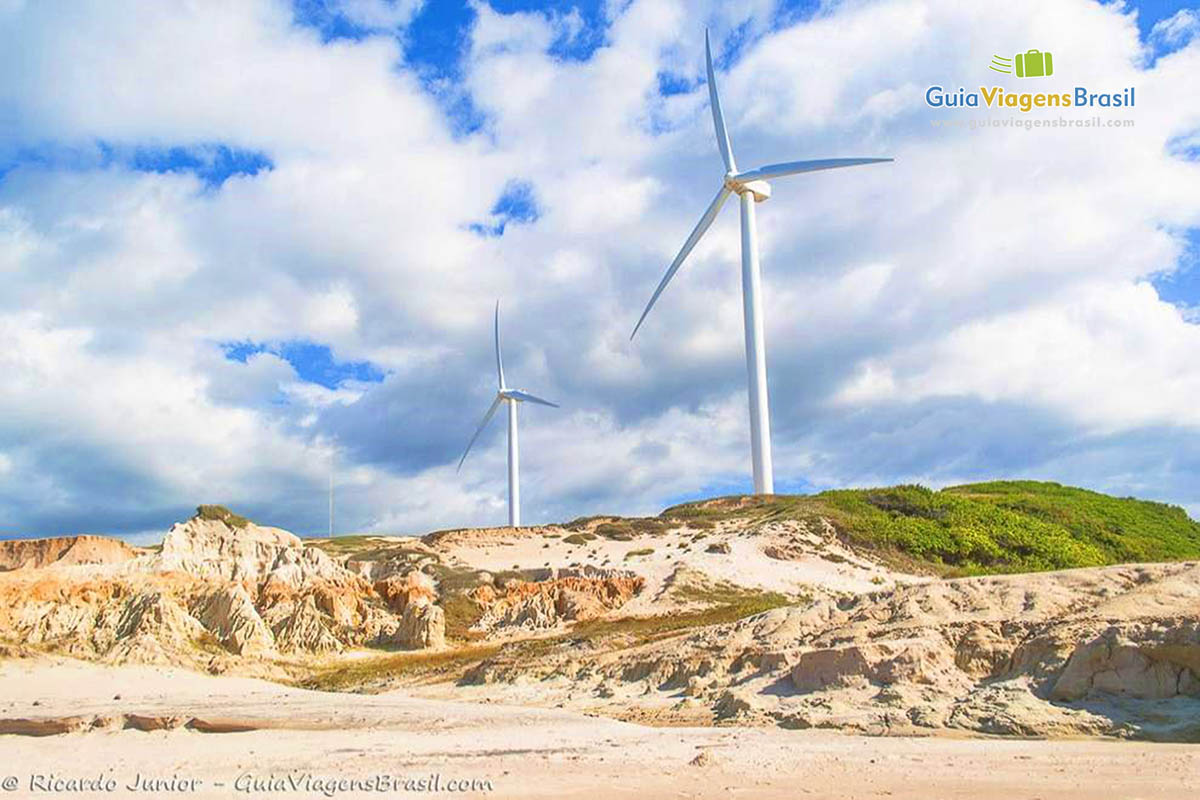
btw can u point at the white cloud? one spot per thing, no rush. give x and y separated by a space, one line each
1177 29
996 276
1092 356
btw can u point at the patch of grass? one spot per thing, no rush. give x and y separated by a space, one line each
645 551
374 672
370 548
617 532
461 614
579 538
1121 528
461 611
725 604
996 527
651 526
580 523
221 514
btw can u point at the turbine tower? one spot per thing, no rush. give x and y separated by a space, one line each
513 397
751 187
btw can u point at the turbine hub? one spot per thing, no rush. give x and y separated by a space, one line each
760 189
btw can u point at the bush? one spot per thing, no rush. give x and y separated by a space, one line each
651 526
616 531
643 552
221 514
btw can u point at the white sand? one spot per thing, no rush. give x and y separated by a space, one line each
813 563
527 752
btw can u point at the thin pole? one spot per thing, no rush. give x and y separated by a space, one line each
514 468
756 352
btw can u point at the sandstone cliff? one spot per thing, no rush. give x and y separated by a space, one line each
540 605
36 553
220 591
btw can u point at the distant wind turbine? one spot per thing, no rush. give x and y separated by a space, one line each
512 397
752 187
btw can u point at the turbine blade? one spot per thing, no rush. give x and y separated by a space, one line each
499 361
718 117
795 167
517 394
701 227
486 419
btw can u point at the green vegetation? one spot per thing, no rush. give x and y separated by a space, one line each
221 514
1122 528
372 672
461 613
645 551
579 538
579 523
1002 526
725 604
651 526
617 532
367 548
622 529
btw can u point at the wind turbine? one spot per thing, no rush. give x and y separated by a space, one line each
751 187
513 397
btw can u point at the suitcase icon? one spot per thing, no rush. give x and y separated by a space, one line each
1034 64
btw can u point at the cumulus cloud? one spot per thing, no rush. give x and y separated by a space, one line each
982 307
1177 29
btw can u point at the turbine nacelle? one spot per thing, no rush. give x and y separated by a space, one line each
759 188
522 396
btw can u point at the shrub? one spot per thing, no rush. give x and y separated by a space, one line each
616 531
221 514
651 526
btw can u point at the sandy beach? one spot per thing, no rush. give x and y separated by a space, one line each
262 734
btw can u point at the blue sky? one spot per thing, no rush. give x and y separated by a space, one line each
276 247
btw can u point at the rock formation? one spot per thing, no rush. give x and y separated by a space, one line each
1092 651
538 605
849 643
64 550
221 590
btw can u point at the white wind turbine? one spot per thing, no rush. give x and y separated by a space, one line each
513 397
752 187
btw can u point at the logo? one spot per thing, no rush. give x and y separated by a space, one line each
1030 64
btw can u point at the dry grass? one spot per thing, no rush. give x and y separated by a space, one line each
376 673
